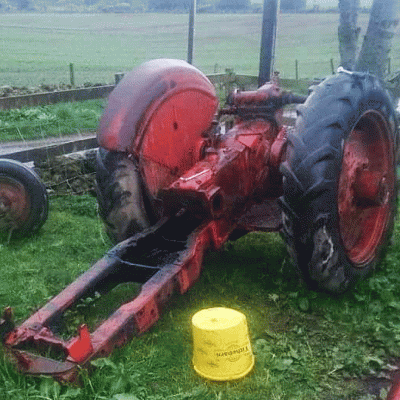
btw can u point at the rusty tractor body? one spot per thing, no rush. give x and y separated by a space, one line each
175 180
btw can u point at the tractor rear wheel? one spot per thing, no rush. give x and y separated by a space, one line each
23 199
120 195
340 185
156 125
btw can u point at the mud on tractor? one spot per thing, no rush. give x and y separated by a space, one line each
174 180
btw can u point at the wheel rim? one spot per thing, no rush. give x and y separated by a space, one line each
174 138
366 188
14 204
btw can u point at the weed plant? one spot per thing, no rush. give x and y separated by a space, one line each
52 120
307 344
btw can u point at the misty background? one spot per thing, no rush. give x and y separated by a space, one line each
138 6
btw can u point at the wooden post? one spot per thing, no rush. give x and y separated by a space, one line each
71 74
297 69
118 76
332 67
268 39
192 13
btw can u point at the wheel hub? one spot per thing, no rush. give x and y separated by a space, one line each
366 185
14 204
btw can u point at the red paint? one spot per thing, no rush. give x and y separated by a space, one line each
14 201
365 186
80 347
394 392
162 114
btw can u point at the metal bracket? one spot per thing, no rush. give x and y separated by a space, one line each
345 71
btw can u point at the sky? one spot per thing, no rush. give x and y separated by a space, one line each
326 3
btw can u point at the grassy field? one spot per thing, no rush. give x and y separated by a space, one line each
32 123
307 345
38 48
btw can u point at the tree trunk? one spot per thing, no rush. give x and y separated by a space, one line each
348 32
376 46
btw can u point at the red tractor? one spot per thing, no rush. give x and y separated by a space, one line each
174 181
334 175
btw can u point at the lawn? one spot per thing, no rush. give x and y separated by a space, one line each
38 48
32 123
307 345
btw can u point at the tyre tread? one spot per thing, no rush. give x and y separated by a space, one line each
311 173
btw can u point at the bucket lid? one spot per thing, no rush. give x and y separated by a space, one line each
217 318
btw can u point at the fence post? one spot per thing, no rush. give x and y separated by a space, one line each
192 13
71 74
332 67
297 69
118 76
268 39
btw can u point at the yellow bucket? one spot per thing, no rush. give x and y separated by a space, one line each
221 344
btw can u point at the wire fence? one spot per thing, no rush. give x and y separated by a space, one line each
60 76
39 48
47 126
311 69
75 75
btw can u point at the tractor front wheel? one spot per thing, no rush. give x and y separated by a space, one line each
23 199
339 182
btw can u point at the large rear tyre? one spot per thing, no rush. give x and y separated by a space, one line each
23 199
339 183
120 195
155 128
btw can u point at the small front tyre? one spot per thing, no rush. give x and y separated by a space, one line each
23 199
340 186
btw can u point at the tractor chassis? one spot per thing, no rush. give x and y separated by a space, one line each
226 193
167 260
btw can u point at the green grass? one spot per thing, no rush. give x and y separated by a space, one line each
307 345
33 123
52 120
35 269
40 47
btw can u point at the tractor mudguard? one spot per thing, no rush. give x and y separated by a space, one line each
160 87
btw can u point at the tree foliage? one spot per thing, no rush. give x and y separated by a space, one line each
168 5
176 5
233 5
21 4
292 5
